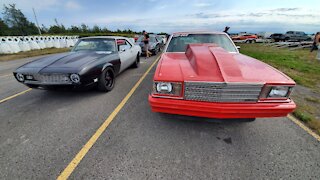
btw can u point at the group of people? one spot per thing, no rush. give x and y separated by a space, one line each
316 44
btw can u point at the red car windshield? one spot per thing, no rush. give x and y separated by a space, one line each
179 43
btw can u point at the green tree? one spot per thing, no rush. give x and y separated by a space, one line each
96 29
84 28
4 28
74 29
55 29
17 22
105 30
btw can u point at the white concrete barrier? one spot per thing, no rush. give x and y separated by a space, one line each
14 47
56 42
24 45
48 41
4 47
15 44
33 43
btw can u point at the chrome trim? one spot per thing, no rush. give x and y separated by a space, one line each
166 97
49 79
222 92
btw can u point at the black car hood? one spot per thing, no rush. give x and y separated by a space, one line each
69 60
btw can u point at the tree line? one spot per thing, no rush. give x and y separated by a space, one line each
15 23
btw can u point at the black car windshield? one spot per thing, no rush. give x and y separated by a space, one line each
179 42
95 44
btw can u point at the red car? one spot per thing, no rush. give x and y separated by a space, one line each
245 37
203 74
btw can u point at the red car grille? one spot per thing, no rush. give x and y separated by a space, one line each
222 92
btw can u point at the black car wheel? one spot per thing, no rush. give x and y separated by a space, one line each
137 62
107 80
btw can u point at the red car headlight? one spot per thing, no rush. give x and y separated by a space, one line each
276 92
173 89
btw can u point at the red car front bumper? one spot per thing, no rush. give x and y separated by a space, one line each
221 110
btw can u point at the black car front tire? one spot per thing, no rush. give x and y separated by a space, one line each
106 80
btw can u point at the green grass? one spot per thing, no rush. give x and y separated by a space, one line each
300 65
8 57
303 68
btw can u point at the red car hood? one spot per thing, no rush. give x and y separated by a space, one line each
208 62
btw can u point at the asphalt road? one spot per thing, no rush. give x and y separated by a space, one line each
42 131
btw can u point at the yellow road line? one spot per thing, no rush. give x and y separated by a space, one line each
77 159
13 96
304 127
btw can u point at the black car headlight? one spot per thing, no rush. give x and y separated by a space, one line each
75 78
167 89
20 77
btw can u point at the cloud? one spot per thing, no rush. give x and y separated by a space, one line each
202 5
73 5
203 15
27 5
285 9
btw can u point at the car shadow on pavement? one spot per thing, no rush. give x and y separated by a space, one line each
68 94
173 117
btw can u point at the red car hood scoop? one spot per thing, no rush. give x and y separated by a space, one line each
211 60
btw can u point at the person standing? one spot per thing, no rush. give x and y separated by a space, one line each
226 29
146 44
317 41
314 44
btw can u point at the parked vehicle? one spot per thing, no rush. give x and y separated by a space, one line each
297 36
93 61
278 37
248 38
164 38
155 44
203 74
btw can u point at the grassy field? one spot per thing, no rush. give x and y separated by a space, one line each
301 66
8 57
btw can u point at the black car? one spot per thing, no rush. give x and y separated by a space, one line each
278 37
155 44
93 61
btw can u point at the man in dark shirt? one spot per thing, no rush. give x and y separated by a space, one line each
146 43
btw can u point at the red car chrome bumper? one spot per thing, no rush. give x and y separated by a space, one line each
221 110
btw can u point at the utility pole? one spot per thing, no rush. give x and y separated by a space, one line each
35 16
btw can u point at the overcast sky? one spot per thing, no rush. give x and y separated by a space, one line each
179 15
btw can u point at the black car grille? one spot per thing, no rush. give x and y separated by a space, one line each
52 78
222 92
